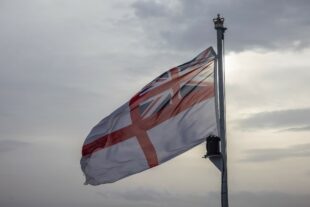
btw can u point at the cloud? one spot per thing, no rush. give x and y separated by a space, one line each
251 24
275 154
267 199
156 198
240 199
150 9
139 195
297 129
290 120
33 109
10 145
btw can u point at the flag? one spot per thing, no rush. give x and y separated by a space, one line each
170 115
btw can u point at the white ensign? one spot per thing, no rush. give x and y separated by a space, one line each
169 116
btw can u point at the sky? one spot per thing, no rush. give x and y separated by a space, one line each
66 64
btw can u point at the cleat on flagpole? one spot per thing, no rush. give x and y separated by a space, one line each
213 151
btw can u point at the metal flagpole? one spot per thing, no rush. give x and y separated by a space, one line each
219 26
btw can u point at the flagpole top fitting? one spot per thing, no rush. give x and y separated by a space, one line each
219 23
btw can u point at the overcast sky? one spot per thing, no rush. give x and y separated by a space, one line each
66 64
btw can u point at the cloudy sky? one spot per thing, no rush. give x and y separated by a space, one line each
65 64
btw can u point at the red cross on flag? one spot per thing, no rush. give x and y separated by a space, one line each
170 115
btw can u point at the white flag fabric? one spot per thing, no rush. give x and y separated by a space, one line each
170 115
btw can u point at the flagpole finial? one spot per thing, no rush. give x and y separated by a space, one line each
219 22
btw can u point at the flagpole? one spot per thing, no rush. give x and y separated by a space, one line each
220 29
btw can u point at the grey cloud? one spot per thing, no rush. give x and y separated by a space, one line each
36 109
274 154
141 195
9 145
150 9
252 24
298 129
157 198
267 199
271 84
240 199
290 119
